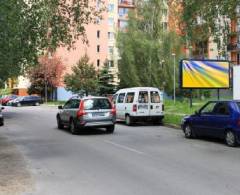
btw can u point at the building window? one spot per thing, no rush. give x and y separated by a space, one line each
110 21
110 7
122 11
110 35
123 24
98 63
110 63
110 49
98 34
98 48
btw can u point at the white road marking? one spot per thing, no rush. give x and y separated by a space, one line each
123 147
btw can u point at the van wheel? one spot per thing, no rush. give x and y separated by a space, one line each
128 120
230 139
72 127
19 105
110 129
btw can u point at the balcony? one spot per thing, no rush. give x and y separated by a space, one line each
233 47
126 3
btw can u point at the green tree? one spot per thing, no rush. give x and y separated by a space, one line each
105 81
30 28
146 48
83 77
204 19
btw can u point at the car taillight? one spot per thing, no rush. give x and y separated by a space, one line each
238 122
113 110
134 109
81 111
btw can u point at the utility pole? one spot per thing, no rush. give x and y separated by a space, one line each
174 77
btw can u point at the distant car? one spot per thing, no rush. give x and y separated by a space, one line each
87 112
31 100
1 116
219 119
6 99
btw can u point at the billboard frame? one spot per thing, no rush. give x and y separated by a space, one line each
202 60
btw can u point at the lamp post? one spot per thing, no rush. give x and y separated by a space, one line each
174 77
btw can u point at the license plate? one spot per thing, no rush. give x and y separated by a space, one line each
98 114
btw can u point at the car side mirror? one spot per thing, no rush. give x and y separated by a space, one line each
197 113
60 107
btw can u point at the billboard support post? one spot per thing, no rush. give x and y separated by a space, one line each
191 98
218 94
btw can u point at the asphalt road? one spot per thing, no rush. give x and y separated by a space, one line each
139 160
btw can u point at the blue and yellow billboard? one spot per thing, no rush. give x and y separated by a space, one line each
205 74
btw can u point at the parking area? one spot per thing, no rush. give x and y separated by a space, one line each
141 159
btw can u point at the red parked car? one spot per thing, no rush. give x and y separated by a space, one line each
6 99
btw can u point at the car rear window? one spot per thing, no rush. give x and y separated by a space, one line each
97 104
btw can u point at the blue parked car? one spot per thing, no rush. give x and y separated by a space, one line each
219 119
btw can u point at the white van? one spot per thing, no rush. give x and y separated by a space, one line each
138 104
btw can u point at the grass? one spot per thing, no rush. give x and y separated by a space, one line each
175 112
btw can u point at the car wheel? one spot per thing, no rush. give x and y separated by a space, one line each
110 129
128 120
19 105
230 139
188 132
1 123
37 104
72 127
59 123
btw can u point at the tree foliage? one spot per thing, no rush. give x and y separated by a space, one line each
31 27
105 81
204 19
49 71
146 48
83 77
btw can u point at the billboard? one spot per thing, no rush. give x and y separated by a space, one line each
204 74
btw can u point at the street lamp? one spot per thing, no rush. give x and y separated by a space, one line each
174 77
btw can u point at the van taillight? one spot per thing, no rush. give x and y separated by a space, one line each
81 111
134 108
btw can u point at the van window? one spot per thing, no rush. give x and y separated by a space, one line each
130 97
155 98
143 97
121 98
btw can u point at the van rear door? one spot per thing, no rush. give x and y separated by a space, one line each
143 103
155 104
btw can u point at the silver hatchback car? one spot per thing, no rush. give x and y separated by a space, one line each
87 112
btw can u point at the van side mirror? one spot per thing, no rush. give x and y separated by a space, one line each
60 107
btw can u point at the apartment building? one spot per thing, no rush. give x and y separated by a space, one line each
234 44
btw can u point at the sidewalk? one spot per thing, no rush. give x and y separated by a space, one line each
14 176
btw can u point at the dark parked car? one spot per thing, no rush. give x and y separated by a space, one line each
1 117
31 100
87 112
219 119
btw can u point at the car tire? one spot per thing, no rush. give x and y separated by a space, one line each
72 127
188 131
1 123
59 123
128 120
230 139
110 129
37 104
19 105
